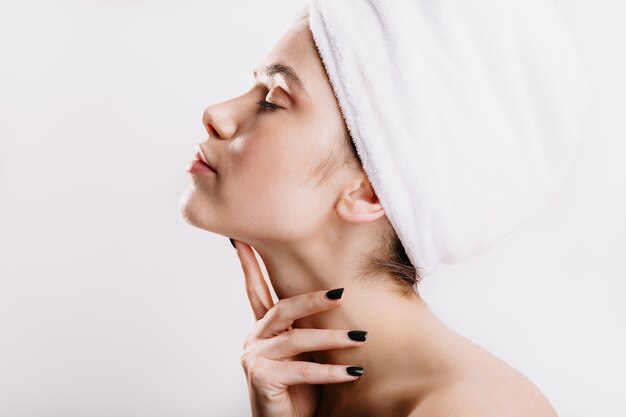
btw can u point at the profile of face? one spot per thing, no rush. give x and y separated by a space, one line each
270 158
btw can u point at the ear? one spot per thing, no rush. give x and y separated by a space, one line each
359 202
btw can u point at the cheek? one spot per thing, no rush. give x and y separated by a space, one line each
273 188
271 176
275 158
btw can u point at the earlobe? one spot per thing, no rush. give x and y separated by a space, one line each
360 205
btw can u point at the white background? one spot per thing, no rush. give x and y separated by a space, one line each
111 305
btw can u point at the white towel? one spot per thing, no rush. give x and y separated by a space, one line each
466 114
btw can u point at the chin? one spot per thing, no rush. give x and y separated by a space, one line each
196 208
189 207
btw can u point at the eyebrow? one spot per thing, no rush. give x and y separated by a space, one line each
284 70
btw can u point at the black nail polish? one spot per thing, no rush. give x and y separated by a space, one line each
335 294
232 242
358 335
354 370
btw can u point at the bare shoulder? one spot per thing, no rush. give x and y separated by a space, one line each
489 395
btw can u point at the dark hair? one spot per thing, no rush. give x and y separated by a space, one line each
390 258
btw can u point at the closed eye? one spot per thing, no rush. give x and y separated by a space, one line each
266 105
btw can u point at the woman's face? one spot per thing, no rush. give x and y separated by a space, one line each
269 163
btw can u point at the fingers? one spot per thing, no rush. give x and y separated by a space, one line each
287 373
256 287
286 311
296 341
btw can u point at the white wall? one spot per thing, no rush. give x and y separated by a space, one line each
111 305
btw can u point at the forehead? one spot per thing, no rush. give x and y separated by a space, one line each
294 57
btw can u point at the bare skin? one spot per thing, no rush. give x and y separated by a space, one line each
267 195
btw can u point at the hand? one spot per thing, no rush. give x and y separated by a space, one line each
276 359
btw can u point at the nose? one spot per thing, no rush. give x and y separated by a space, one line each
219 120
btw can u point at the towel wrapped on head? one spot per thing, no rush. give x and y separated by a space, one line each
466 115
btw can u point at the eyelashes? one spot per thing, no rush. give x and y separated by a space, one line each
266 105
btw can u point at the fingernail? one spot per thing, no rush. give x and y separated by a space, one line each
232 242
334 294
355 370
358 335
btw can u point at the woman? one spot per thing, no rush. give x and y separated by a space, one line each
350 334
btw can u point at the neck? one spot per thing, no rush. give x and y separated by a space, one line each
407 351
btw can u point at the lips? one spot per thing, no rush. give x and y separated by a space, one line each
202 158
